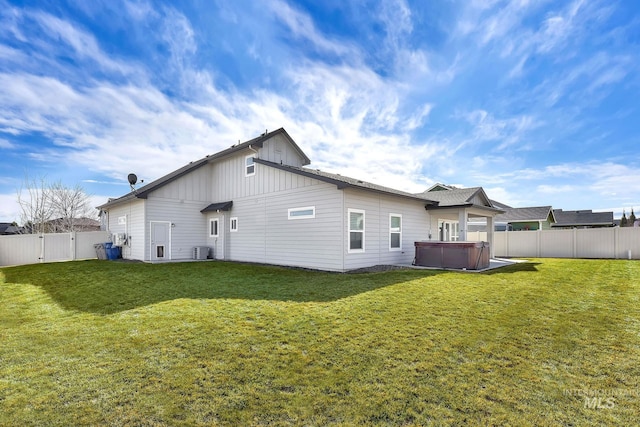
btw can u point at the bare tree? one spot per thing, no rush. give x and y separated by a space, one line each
35 205
51 208
69 205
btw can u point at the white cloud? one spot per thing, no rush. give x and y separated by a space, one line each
83 43
9 208
302 26
6 144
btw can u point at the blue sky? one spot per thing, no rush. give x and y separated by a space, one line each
536 101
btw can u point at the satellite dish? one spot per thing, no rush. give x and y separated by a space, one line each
132 179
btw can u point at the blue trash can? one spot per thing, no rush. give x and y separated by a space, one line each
108 247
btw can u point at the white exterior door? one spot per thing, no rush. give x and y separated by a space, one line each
160 241
215 236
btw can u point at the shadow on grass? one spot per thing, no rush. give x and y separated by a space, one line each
106 287
514 268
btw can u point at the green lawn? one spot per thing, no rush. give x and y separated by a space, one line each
213 343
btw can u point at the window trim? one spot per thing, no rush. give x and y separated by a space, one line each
233 224
306 208
349 230
397 230
217 221
252 165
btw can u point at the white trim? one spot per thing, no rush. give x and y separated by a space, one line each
349 231
217 221
301 210
247 166
233 224
395 231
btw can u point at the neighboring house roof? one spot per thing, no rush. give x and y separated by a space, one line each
582 218
9 228
440 187
534 213
500 205
142 192
345 182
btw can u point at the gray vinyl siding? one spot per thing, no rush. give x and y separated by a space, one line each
313 242
266 235
195 186
190 226
134 211
229 182
377 208
278 149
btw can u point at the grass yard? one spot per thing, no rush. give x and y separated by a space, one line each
214 343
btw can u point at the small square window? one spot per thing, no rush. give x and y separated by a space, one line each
233 224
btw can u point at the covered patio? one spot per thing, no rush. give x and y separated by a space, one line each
454 208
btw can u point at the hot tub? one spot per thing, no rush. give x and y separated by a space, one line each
460 255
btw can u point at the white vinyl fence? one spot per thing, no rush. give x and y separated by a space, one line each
614 242
34 248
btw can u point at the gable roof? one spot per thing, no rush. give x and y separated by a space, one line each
440 187
344 181
450 197
582 218
453 197
259 141
534 213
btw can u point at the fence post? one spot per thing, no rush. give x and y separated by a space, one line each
41 257
575 242
72 245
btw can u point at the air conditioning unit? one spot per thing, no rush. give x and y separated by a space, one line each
119 239
200 252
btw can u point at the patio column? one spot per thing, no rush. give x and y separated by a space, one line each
490 231
463 218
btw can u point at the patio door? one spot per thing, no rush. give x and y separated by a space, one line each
160 241
449 231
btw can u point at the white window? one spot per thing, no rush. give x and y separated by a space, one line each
233 224
395 232
356 230
302 213
213 227
249 166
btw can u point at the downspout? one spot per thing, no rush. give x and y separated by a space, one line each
254 150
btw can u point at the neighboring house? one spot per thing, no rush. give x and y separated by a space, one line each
529 218
256 202
7 228
582 219
65 225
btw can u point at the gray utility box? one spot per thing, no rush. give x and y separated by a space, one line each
201 252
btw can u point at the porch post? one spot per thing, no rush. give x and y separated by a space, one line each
490 230
463 218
